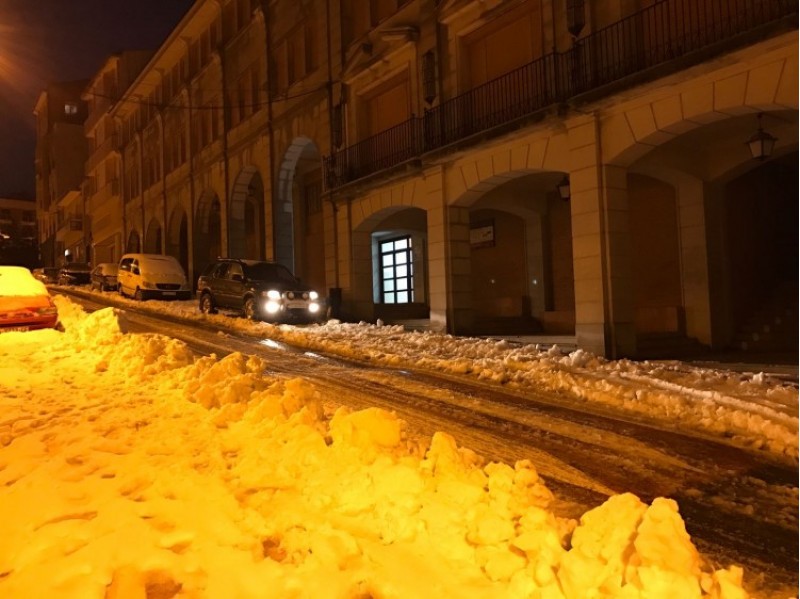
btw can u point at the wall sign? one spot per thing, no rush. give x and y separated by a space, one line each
481 234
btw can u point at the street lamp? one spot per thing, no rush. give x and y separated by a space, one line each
761 143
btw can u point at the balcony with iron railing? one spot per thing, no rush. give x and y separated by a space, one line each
660 39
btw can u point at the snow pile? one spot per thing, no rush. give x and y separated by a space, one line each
747 411
753 411
127 469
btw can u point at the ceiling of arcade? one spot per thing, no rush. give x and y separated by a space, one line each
717 152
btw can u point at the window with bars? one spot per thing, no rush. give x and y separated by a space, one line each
397 271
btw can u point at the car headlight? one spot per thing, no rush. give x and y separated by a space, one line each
272 306
148 284
313 307
274 294
313 295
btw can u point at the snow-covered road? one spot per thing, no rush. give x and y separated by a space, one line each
739 505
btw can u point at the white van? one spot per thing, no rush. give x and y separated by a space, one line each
148 276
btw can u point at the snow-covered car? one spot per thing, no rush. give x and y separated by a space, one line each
152 276
104 276
47 275
25 303
75 273
259 290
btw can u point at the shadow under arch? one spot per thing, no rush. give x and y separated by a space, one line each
178 237
246 216
133 245
207 232
298 224
152 238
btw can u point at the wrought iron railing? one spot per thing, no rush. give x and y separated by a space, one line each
657 35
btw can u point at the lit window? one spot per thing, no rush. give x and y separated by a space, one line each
70 108
397 271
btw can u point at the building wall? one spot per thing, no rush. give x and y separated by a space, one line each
271 98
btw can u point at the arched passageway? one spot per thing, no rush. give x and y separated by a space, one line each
246 216
133 245
152 238
207 233
298 224
178 238
393 258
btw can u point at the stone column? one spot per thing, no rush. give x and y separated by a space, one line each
604 315
448 260
694 258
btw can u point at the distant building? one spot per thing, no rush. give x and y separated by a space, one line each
18 234
60 162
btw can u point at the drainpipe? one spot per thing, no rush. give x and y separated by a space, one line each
608 308
334 293
122 194
190 157
161 120
140 139
270 129
225 129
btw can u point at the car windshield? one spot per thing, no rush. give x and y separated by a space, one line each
160 266
77 267
109 269
266 271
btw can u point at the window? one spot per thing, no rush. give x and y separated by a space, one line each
234 269
397 271
70 108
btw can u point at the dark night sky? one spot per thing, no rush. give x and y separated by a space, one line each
62 40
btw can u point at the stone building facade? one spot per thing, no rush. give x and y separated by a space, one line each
482 166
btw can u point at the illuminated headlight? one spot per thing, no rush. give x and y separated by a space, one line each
272 306
313 307
272 294
313 295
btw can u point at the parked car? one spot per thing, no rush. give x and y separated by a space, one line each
47 275
147 276
25 303
75 273
104 276
259 290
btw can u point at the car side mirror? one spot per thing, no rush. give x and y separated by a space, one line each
135 270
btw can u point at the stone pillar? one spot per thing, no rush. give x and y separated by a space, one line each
604 315
448 260
460 315
694 259
719 267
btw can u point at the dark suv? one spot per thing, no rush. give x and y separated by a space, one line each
260 290
75 273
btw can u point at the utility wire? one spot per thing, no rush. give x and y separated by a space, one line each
172 104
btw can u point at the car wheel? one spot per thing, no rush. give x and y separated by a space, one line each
207 304
138 296
250 309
